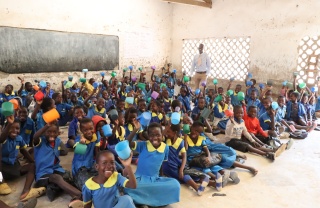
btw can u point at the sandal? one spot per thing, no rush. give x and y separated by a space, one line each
4 189
34 193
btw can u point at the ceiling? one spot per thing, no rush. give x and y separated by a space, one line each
202 3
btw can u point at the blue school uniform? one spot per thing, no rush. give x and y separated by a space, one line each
81 99
77 90
261 109
264 118
195 112
129 129
85 160
195 148
47 158
167 105
109 105
170 91
63 110
77 103
317 107
115 139
281 113
40 123
149 184
93 110
49 94
251 102
10 149
8 97
27 130
156 118
301 111
249 92
218 112
73 129
23 96
107 194
185 102
234 99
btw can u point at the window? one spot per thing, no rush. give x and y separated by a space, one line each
229 56
309 60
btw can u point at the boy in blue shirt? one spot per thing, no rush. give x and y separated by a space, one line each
64 109
27 128
183 98
95 109
102 190
252 100
11 169
73 130
49 172
9 93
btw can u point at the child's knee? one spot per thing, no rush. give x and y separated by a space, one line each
55 177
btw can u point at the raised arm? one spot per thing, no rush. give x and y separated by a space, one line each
136 128
5 132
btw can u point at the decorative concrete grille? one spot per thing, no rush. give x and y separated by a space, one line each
229 56
309 60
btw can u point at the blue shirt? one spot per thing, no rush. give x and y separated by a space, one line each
27 130
93 110
261 110
47 157
63 109
73 128
204 65
10 149
281 113
264 118
251 102
195 148
40 122
74 91
234 99
103 195
185 102
250 90
8 96
78 103
157 118
301 111
50 93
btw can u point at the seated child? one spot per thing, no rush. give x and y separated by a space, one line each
82 164
102 190
152 154
95 109
234 96
49 172
264 105
253 99
220 120
130 116
142 106
12 143
157 114
74 101
196 111
234 131
73 130
8 93
65 110
27 128
184 99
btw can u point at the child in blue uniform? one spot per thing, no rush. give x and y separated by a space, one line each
185 101
130 116
102 190
220 119
27 128
82 164
95 109
8 93
49 172
157 114
73 130
12 143
65 110
196 111
152 153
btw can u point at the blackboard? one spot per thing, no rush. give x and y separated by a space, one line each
34 50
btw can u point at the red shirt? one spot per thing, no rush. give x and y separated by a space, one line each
253 124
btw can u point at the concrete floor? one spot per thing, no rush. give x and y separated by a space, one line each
292 180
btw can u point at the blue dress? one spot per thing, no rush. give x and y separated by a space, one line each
153 190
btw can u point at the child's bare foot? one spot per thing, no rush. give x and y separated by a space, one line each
253 171
312 127
32 193
242 156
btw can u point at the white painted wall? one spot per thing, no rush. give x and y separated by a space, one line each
128 19
275 27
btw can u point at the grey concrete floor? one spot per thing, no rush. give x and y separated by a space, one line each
292 180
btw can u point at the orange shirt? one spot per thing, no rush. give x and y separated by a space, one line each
253 124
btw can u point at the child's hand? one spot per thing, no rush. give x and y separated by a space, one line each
126 162
136 125
256 144
116 122
39 102
181 175
21 79
10 119
83 140
232 119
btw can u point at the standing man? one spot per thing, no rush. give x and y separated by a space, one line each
201 65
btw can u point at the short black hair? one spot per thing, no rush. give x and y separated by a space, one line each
154 125
197 124
252 106
85 121
176 128
101 153
77 107
55 95
46 104
280 97
237 107
141 100
175 103
296 94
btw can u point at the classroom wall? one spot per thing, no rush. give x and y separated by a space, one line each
143 23
275 27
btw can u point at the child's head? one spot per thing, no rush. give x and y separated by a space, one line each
173 131
220 90
47 104
14 130
294 96
100 103
147 86
281 100
175 105
120 104
238 112
98 123
87 128
120 118
223 100
23 114
155 106
68 93
196 129
238 88
210 92
28 86
266 102
252 111
105 163
201 103
228 100
84 94
165 93
183 91
79 113
131 115
253 82
142 106
8 89
305 98
155 134
268 93
126 79
187 120
73 97
253 95
57 97
52 132
91 81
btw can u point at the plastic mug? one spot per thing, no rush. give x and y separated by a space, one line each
140 68
215 81
249 83
123 150
70 78
295 74
51 115
232 79
241 96
186 79
230 92
68 85
131 68
125 69
174 71
218 98
269 82
163 85
314 89
261 85
107 131
284 83
175 118
95 85
289 85
128 88
83 80
113 114
39 96
113 74
249 75
134 79
153 67
228 113
119 84
203 84
85 70
274 105
145 118
302 85
102 74
197 91
15 103
43 84
7 109
36 87
205 113
154 95
129 100
80 149
141 85
186 128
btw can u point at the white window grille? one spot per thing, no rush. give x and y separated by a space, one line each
309 60
230 57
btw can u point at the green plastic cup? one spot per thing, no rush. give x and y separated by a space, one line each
80 149
186 128
241 96
230 92
218 98
7 109
215 81
113 74
186 79
162 85
141 85
302 85
83 80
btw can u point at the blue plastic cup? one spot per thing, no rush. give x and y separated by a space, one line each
145 119
70 78
249 83
261 85
113 114
174 71
249 75
85 70
107 131
123 150
102 74
274 105
129 100
197 91
175 118
43 84
95 85
131 68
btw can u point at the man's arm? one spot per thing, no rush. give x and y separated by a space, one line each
208 65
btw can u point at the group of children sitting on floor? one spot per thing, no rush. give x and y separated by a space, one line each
166 153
